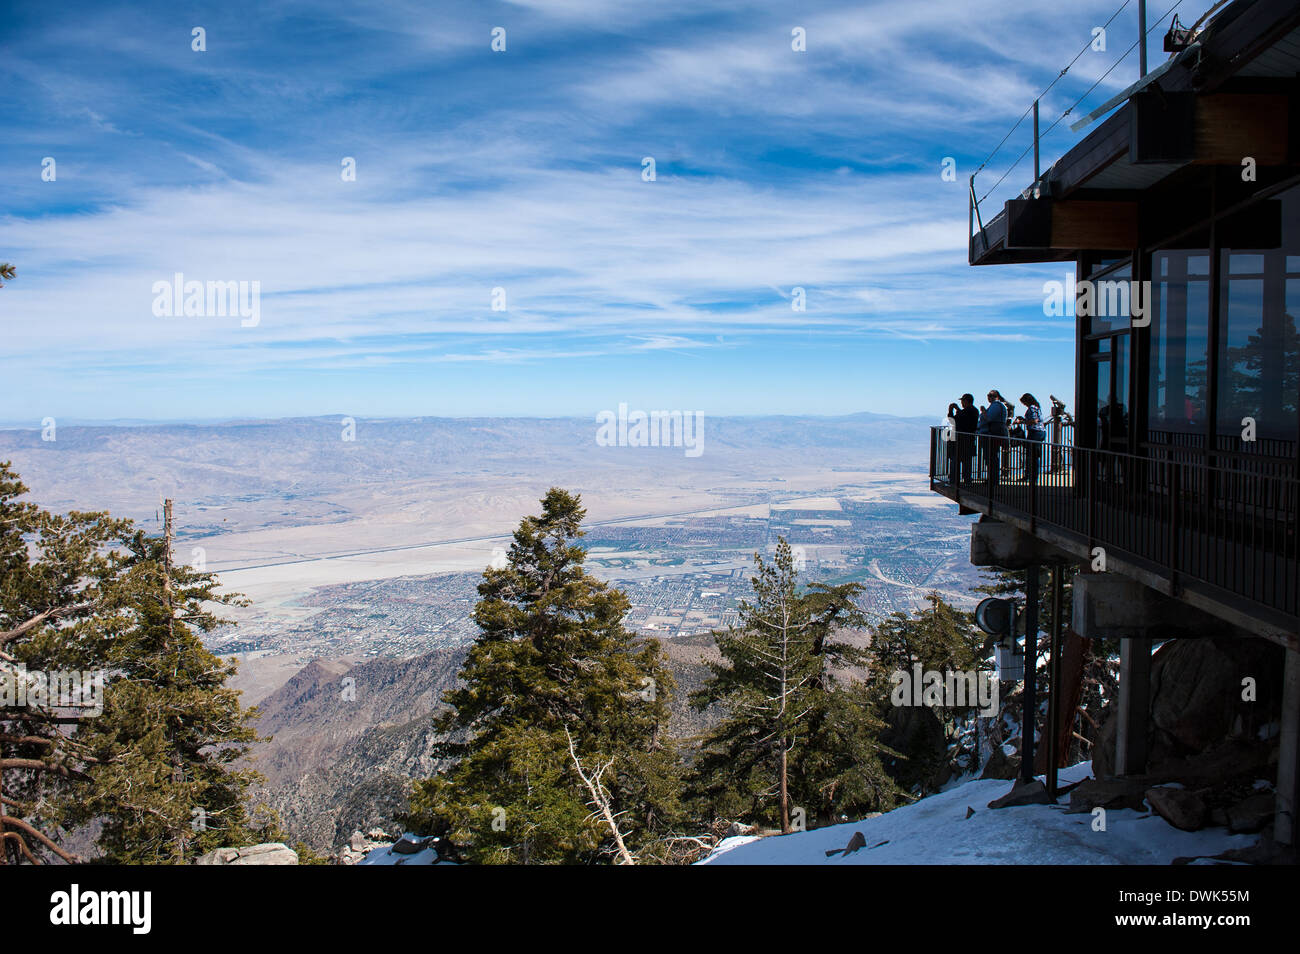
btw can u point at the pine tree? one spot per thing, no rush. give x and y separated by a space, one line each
795 732
939 638
552 663
161 779
56 576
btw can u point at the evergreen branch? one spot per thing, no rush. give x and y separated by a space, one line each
39 836
53 613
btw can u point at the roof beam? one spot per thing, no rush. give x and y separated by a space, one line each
1073 224
1222 128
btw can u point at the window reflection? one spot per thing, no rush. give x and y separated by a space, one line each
1259 350
1107 300
1180 339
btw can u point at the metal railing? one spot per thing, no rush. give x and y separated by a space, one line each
1229 524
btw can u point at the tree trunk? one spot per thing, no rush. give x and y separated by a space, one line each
1074 659
785 788
600 799
178 771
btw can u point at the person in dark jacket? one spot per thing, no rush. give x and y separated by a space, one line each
993 432
964 420
1035 432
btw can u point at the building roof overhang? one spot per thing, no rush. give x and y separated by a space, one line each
1229 96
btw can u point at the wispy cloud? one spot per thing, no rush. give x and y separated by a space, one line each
522 171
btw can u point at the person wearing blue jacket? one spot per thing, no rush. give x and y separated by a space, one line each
993 433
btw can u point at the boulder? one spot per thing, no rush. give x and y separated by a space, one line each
1196 704
1108 793
218 856
1103 745
271 853
1024 793
1179 807
1197 687
1001 765
1231 760
1252 814
360 845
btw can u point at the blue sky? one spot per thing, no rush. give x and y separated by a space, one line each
522 170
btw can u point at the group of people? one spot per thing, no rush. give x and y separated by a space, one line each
991 426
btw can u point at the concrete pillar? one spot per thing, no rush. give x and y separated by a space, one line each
1134 703
1288 766
994 543
1029 714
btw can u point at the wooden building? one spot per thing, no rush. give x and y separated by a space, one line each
1181 214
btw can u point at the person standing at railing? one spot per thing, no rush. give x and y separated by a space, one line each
992 428
1035 432
964 421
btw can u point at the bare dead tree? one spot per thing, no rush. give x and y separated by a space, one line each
600 798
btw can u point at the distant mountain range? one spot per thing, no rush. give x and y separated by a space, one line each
247 470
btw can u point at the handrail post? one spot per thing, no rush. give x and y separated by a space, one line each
970 215
1142 38
933 473
1037 172
1091 481
975 210
1027 455
1175 482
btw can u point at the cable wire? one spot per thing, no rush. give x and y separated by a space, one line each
1071 107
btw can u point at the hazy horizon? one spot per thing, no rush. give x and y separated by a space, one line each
217 421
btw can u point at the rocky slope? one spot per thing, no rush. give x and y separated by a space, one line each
348 740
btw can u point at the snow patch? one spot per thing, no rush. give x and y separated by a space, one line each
936 831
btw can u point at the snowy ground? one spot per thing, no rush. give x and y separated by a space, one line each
936 831
386 856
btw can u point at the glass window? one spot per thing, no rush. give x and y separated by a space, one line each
1119 399
1103 403
1101 264
1259 352
1106 301
1180 332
